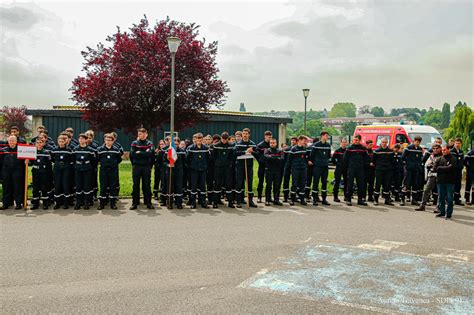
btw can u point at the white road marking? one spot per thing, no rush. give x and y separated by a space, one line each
453 254
382 245
287 210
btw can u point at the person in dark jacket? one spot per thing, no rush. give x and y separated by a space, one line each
197 160
261 147
84 164
298 163
273 165
13 175
446 178
109 158
158 162
287 170
469 191
42 173
175 170
15 131
141 156
341 171
397 174
244 147
319 159
412 158
356 159
162 152
383 160
222 157
458 153
370 171
62 158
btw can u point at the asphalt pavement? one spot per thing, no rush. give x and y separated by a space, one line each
334 259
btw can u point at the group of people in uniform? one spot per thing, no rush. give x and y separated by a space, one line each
207 170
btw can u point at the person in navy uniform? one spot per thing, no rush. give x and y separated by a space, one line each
13 175
73 141
287 170
458 153
197 159
244 146
370 171
469 190
261 147
397 173
175 194
141 156
340 171
310 171
62 158
412 157
3 145
446 176
109 158
383 160
356 159
298 164
161 154
15 131
84 165
273 166
319 159
158 163
42 173
222 157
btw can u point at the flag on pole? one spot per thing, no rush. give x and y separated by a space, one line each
172 155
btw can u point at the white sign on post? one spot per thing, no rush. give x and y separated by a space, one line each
26 152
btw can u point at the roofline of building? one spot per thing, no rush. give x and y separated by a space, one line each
214 115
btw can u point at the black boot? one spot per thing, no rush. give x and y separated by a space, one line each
376 200
325 202
34 205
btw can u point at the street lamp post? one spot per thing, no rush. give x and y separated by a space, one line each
173 44
305 94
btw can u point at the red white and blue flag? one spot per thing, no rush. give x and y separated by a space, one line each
172 155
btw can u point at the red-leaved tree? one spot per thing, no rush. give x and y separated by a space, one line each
127 84
14 116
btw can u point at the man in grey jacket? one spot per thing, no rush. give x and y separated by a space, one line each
431 181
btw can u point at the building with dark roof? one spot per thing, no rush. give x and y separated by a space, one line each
59 118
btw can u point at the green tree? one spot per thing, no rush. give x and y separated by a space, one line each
433 117
461 125
342 110
348 128
377 111
445 116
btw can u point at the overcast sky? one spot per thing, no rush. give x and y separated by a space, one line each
381 52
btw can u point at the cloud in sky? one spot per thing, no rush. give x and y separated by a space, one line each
385 53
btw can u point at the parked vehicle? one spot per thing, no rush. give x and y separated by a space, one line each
397 134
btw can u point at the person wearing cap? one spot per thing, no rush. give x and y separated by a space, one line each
222 157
